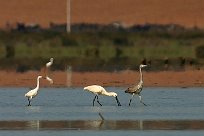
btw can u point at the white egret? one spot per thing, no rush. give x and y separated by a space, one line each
47 74
99 90
32 93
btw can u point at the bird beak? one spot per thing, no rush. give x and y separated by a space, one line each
117 101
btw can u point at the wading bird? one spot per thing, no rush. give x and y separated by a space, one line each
32 93
99 90
47 71
136 89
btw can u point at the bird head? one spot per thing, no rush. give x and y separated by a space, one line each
113 94
142 66
127 90
51 59
85 88
39 77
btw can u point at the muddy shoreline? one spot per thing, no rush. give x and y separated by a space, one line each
189 78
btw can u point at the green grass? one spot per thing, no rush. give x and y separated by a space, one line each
79 45
105 52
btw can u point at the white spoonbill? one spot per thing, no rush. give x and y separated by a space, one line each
136 89
32 93
99 90
47 74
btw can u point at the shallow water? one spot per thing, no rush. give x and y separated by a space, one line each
170 111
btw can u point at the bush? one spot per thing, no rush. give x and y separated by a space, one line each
122 41
10 51
68 41
200 51
22 68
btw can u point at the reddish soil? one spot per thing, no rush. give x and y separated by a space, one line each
185 12
190 78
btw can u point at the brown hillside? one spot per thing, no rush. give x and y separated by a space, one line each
185 12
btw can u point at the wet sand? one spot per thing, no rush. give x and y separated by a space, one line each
189 78
103 125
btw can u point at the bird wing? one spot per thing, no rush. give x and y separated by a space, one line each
47 68
135 88
49 79
131 89
48 64
47 72
32 93
96 89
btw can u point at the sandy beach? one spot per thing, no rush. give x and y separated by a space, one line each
189 78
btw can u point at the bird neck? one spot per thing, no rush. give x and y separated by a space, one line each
141 76
109 93
38 83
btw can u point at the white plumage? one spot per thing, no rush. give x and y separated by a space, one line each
50 62
32 93
47 74
99 90
49 79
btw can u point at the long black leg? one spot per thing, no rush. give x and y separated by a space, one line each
117 101
29 102
94 99
141 100
131 99
98 100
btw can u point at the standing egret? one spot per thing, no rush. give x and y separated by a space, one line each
136 89
32 93
48 70
99 90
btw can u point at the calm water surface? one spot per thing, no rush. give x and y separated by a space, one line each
170 111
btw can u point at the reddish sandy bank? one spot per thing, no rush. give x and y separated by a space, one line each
191 78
